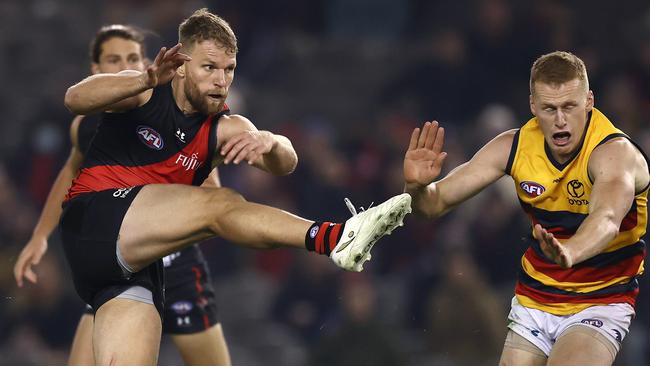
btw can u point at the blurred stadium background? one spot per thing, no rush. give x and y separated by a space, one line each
346 80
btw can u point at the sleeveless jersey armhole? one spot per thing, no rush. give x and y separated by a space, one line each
513 152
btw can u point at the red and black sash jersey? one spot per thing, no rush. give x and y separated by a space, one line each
154 143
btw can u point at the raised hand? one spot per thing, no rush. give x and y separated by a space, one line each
424 157
30 256
247 145
163 68
552 247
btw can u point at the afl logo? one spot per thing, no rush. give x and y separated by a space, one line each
313 232
533 189
182 307
575 188
150 137
593 322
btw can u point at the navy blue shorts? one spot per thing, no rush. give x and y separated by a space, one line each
90 225
190 301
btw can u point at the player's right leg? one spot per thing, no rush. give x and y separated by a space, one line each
81 353
527 343
163 219
206 348
518 351
126 332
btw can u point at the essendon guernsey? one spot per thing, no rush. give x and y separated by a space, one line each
154 143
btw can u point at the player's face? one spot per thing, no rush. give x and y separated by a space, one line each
562 114
118 54
208 76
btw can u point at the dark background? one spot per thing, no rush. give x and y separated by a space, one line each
346 81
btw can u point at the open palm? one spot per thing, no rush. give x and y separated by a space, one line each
552 247
163 68
424 157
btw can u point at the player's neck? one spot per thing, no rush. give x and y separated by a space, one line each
180 98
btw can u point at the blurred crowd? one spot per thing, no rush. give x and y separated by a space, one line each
346 81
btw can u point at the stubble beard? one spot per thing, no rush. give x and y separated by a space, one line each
198 101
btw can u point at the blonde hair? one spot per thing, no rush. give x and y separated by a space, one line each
203 26
557 68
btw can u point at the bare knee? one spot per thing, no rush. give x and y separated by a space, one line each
221 203
224 195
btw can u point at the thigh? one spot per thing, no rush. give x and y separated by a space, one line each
518 351
204 348
81 352
164 218
126 332
582 345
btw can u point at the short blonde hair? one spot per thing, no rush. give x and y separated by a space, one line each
557 68
203 26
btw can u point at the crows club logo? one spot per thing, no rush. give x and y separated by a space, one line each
533 189
576 191
150 137
575 188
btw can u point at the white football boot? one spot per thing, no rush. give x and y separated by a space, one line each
363 229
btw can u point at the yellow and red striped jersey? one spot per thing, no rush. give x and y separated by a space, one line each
556 196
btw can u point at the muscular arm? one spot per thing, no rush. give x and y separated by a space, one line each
125 90
98 92
618 170
49 218
465 181
240 140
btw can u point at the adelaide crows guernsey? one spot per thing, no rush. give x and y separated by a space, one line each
556 196
154 143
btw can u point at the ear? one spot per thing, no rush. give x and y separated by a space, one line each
181 71
590 101
94 68
531 103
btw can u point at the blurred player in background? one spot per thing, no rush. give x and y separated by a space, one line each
584 185
190 313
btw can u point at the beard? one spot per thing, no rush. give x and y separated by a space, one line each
201 102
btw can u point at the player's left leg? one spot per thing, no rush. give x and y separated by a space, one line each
81 353
126 332
595 348
592 337
206 348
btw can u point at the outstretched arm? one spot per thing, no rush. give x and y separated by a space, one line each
37 246
617 169
239 140
100 92
423 163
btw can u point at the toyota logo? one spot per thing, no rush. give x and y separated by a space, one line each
575 188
